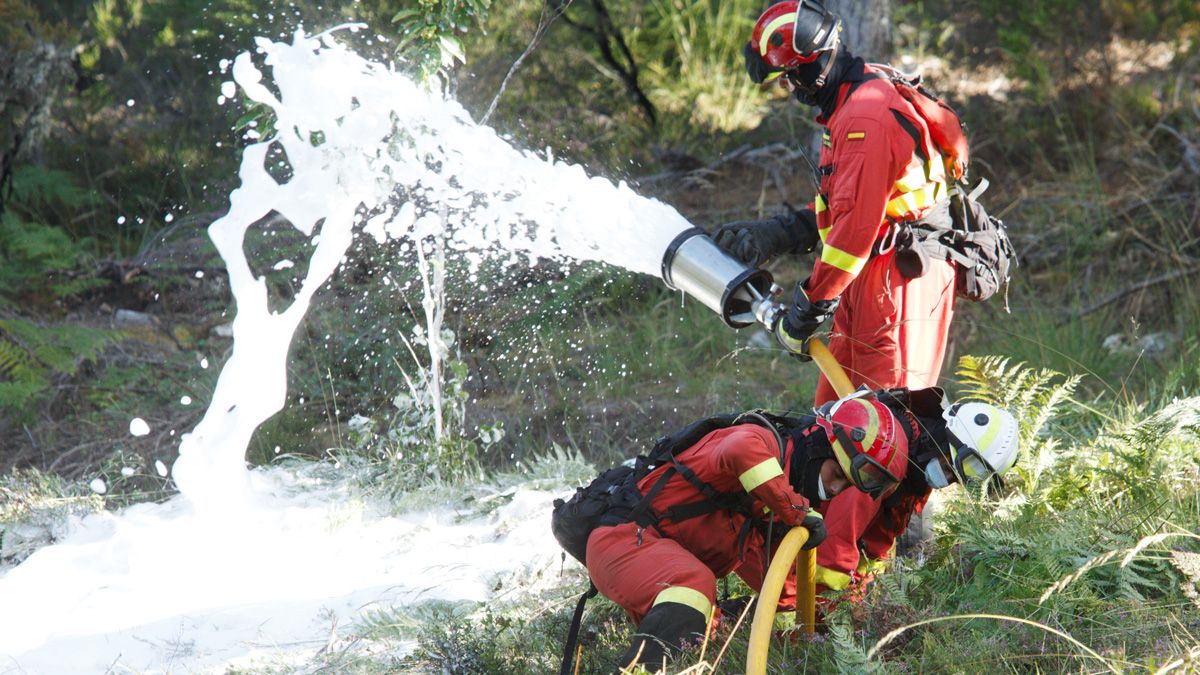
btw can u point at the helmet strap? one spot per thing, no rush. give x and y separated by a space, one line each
820 81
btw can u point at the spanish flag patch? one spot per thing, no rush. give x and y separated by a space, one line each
856 135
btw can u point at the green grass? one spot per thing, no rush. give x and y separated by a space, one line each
1067 570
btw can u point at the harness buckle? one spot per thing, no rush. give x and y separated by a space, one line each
887 241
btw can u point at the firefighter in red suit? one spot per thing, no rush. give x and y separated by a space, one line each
662 567
878 167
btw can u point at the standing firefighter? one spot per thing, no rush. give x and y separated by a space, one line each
656 536
891 156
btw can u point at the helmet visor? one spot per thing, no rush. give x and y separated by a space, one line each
871 477
968 463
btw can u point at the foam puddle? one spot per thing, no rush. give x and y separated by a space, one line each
238 560
157 588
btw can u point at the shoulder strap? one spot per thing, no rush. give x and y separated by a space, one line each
668 448
568 658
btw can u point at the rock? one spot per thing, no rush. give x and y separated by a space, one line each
128 317
1149 345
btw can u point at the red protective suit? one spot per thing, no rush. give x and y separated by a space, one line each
878 165
640 568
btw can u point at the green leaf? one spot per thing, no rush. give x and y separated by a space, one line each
244 121
404 15
453 46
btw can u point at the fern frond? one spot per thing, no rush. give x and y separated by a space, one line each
36 187
15 362
1033 395
849 656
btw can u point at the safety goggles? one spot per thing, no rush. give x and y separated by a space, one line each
969 464
864 471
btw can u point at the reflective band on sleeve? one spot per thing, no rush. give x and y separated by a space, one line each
685 596
825 140
760 473
819 203
842 260
856 135
832 579
765 40
824 232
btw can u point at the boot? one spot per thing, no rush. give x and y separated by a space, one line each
666 628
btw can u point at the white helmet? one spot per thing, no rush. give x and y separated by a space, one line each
983 439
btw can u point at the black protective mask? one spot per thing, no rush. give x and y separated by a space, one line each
844 68
811 480
809 453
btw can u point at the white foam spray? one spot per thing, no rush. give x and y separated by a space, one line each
363 138
369 151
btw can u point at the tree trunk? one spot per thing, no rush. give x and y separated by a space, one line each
33 70
868 27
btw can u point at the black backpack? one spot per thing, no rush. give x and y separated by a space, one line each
613 497
960 231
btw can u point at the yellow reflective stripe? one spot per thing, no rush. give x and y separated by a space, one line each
842 260
825 140
843 459
832 579
856 135
901 206
872 424
871 566
764 41
989 434
760 473
910 202
824 232
912 179
819 203
685 596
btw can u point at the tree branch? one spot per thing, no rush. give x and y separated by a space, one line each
603 32
1141 285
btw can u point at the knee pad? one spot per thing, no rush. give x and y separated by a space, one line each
667 628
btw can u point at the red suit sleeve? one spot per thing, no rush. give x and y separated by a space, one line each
868 154
751 454
893 518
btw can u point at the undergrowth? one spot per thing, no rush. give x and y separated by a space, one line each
1086 559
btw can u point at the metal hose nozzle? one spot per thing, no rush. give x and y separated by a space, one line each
741 295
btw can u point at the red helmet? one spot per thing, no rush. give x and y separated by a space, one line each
868 441
792 33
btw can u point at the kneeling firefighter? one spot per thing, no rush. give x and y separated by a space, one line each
714 498
968 441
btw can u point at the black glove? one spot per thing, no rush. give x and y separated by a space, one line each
756 68
801 320
732 608
815 524
754 242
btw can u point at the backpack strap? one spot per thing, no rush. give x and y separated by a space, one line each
573 634
667 449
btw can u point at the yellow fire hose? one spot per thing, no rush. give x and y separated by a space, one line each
789 549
